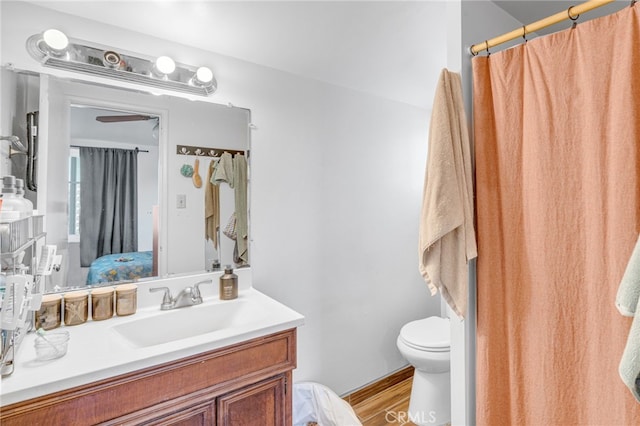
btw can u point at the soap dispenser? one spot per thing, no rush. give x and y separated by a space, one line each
228 284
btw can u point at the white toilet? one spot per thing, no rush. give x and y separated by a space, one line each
425 344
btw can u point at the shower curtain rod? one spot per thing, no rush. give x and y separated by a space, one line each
79 146
572 13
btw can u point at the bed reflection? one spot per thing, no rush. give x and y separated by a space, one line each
118 267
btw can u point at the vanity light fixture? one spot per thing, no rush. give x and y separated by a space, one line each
164 66
202 77
55 41
53 49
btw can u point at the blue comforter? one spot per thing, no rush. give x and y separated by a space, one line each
121 267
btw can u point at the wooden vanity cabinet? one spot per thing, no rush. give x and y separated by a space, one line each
241 385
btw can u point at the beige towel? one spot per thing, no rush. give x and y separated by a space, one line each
447 237
211 207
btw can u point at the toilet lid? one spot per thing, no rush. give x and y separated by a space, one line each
427 334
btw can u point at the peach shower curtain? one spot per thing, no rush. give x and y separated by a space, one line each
557 140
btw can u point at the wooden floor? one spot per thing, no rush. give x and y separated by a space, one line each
387 407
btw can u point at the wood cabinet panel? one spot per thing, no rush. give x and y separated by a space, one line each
261 404
200 416
191 410
167 389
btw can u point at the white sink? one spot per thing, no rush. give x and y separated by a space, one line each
100 350
183 323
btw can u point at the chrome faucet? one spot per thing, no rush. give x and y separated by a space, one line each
189 296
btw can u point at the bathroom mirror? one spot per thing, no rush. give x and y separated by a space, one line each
175 137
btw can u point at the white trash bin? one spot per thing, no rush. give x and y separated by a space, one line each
313 402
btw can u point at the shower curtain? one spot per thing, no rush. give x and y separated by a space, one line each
108 202
557 145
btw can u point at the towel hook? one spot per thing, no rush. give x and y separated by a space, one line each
574 19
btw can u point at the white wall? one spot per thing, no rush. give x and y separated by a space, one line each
461 392
336 190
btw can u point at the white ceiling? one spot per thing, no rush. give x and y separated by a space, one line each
84 126
393 49
529 11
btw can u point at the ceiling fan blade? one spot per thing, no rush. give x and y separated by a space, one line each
119 118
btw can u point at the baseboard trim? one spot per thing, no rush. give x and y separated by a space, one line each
368 390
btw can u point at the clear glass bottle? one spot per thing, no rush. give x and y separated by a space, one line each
12 206
13 231
28 205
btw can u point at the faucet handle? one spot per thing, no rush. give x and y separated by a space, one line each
167 300
196 289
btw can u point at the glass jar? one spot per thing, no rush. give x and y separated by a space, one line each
48 316
102 303
126 299
76 307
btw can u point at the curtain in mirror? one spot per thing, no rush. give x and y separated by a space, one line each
108 202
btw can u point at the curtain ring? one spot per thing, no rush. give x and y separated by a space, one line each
524 33
572 18
486 43
569 14
633 2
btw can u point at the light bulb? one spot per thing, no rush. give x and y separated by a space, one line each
165 65
204 75
55 39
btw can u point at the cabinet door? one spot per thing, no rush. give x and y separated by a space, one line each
262 404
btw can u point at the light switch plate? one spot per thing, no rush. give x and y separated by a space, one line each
181 201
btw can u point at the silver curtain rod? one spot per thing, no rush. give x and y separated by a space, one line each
78 146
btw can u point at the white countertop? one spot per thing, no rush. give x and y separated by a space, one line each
98 352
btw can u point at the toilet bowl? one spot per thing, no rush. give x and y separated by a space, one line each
425 344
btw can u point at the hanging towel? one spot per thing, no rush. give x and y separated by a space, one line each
211 207
447 238
242 222
230 229
629 290
224 170
627 304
